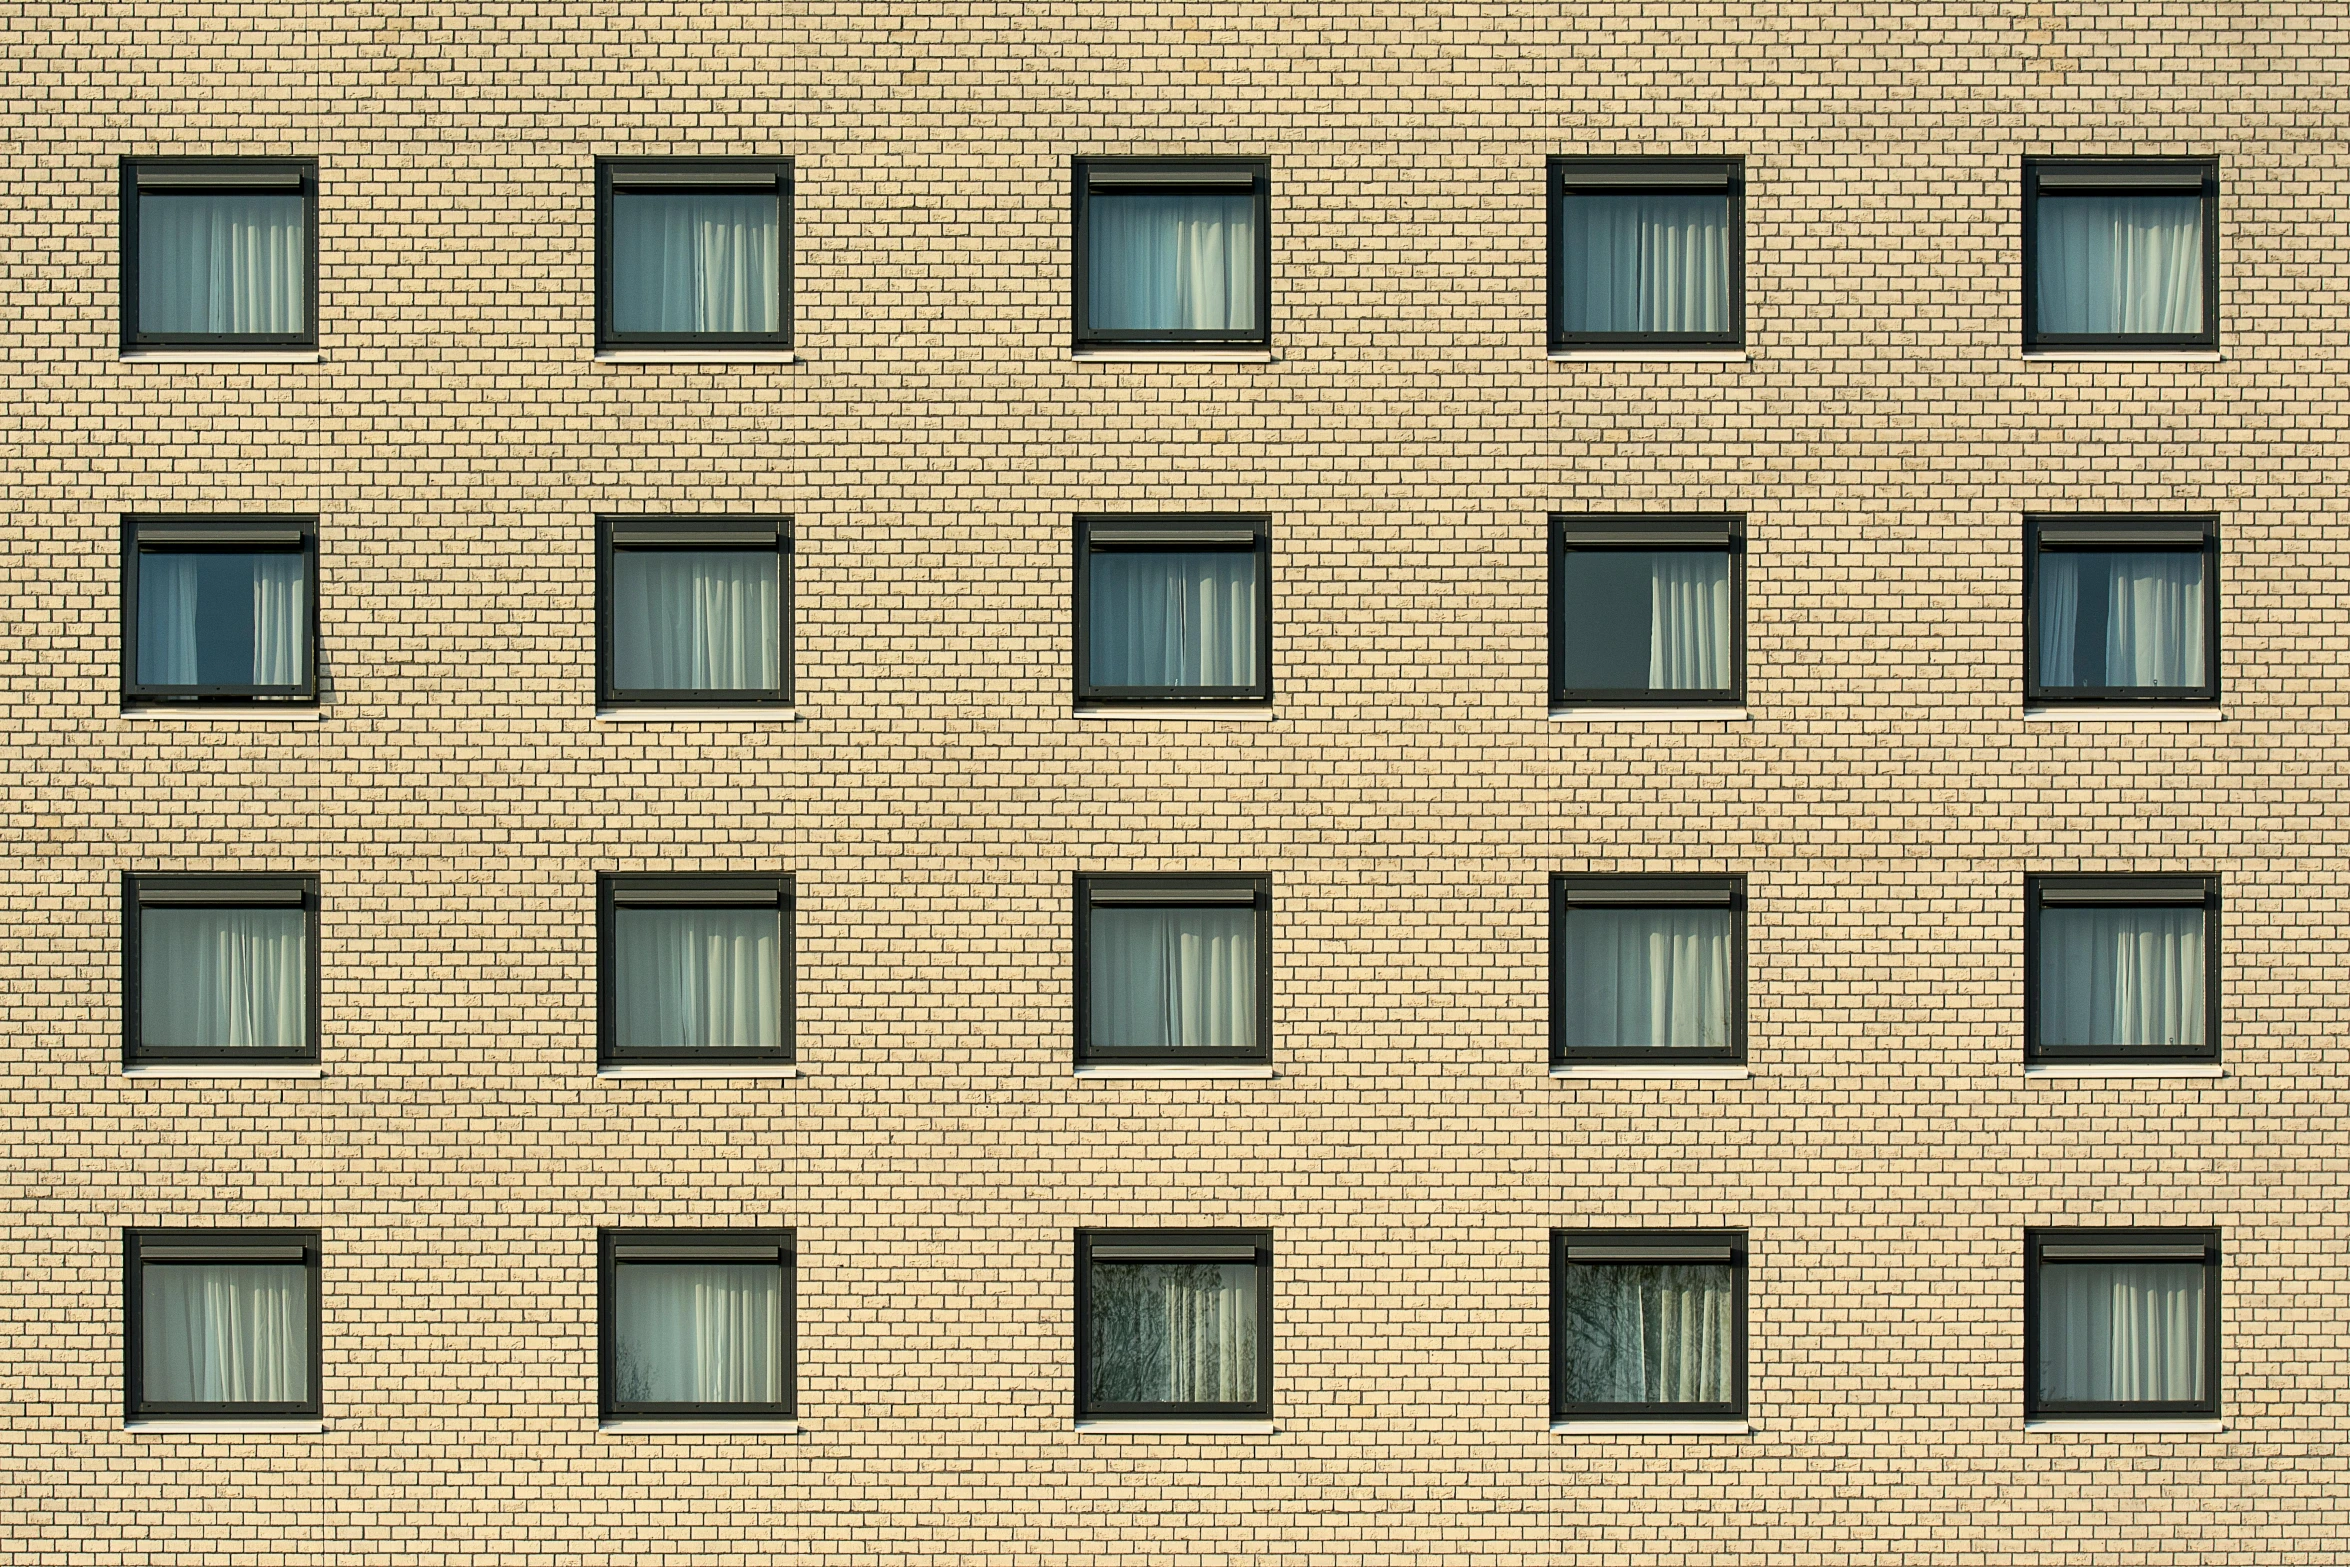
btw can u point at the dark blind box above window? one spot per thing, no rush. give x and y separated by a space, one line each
695 252
220 610
219 252
2121 253
1646 252
1171 252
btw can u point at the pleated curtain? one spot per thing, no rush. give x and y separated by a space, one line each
224 979
696 620
225 1333
1689 621
2121 619
2120 264
1648 1334
1174 1333
698 1333
1173 978
221 619
695 261
2122 1332
1173 618
222 264
1172 263
1636 263
1648 977
2121 977
699 978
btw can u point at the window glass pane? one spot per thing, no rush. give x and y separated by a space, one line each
224 979
225 1333
2121 977
1172 263
1644 263
1174 1333
1648 977
1174 979
222 618
2121 1332
698 1333
2120 264
2121 618
225 263
694 978
1173 618
695 261
697 620
1644 620
1647 1333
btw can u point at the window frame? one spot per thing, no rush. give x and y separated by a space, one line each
229 1246
2126 176
2122 1245
1675 174
2104 535
660 889
212 176
1210 1243
1211 174
223 535
1573 889
1131 889
1172 535
1603 532
1634 1243
2138 890
678 1245
694 173
747 534
142 890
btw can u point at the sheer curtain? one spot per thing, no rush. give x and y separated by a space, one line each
225 1333
2115 264
221 263
2121 976
695 261
1169 618
1689 621
696 620
1649 977
1648 1333
698 1333
279 609
693 978
167 619
1174 1333
2121 1332
2121 618
1644 263
1174 978
218 618
224 979
1172 263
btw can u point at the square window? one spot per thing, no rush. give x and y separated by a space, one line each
694 252
1172 252
1648 1324
220 968
1647 611
220 610
2122 968
2121 609
220 1322
1174 968
1174 609
2121 1322
699 1323
219 252
2121 253
697 968
1174 1322
695 611
1648 969
1647 252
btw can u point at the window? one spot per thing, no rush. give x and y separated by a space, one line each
697 968
693 253
220 968
2121 253
2121 609
2121 1322
699 1323
1648 969
1648 1324
694 611
2122 968
1647 610
1173 609
1172 252
220 1322
1174 968
219 610
1174 1322
1647 252
219 253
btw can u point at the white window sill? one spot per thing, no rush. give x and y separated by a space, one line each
1692 1071
1182 712
1178 1070
1175 356
1650 1428
1655 356
647 1426
225 356
220 1069
2127 715
2120 1425
1645 715
1147 1427
198 1425
227 713
697 356
2126 1069
697 715
2191 356
676 1069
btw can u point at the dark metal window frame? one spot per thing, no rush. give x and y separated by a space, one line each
1210 1245
1170 890
1603 533
617 1248
221 535
2125 892
2106 176
1576 890
1210 176
2105 536
1627 1247
2121 1245
1578 176
142 890
216 177
744 175
1173 535
142 1246
748 534
732 889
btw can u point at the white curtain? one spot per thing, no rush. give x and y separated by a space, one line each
224 979
2121 976
695 261
2121 618
1173 618
1644 263
167 618
2121 1332
696 620
1174 978
278 614
221 263
1649 977
215 618
1689 621
698 1333
225 1333
694 978
1172 263
2121 264
1649 1333
1174 1333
